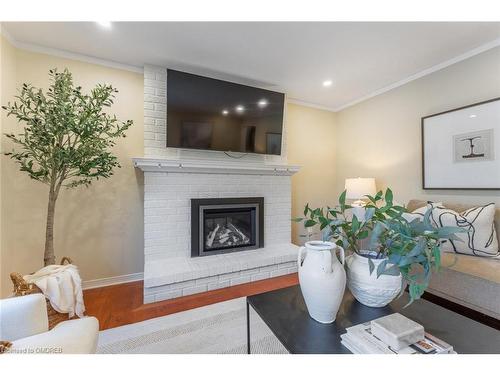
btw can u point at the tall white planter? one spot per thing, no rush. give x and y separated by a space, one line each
322 279
367 288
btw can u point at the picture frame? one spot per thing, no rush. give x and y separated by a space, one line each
461 148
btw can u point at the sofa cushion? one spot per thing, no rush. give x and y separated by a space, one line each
478 267
481 236
473 282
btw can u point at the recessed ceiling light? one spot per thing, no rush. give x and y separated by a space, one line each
105 24
225 112
239 108
472 116
262 103
327 83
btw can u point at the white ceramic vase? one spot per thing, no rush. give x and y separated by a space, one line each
322 279
368 289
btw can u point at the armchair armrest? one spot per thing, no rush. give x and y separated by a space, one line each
23 316
78 336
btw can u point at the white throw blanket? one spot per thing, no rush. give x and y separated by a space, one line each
62 286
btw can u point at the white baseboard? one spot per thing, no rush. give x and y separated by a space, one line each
98 283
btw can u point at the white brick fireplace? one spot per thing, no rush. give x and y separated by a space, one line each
173 177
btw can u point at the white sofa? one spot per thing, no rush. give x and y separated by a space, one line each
24 322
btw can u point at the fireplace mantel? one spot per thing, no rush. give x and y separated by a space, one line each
200 166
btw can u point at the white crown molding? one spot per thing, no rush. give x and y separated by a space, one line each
217 167
68 55
107 281
6 34
77 57
423 73
311 105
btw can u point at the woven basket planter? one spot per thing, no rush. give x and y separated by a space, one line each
22 288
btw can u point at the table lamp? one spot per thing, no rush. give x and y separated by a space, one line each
358 188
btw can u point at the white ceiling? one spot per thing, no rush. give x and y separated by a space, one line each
360 58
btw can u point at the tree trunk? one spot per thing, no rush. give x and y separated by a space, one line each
48 256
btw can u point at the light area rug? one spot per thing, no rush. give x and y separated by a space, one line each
215 329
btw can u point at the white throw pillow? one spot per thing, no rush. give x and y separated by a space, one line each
480 238
420 212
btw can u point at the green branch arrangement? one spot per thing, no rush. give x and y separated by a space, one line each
410 248
66 138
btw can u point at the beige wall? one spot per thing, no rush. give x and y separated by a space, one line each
99 227
381 137
311 142
7 89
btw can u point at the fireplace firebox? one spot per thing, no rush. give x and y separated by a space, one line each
224 225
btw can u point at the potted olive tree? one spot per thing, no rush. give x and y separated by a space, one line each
387 250
65 140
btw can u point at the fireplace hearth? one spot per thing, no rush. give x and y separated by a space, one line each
224 225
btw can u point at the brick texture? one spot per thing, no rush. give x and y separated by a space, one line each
175 290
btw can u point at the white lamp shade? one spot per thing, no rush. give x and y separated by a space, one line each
357 188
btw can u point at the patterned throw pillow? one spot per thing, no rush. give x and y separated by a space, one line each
420 212
480 238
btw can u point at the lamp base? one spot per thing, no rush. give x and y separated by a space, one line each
358 203
358 209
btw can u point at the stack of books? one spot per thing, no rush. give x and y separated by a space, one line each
360 339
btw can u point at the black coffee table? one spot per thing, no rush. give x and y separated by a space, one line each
285 313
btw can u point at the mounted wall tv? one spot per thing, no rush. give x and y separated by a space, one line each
210 114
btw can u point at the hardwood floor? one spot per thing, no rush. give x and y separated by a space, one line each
121 304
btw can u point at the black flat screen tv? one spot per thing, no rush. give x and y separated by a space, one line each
210 114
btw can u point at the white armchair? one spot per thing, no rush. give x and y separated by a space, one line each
24 322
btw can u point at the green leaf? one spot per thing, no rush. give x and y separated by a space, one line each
369 212
436 253
381 268
326 234
371 265
310 223
306 209
297 219
416 291
427 220
355 224
362 235
388 196
418 248
446 232
392 271
406 260
342 200
375 236
324 222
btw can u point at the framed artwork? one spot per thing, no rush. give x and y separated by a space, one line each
461 148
